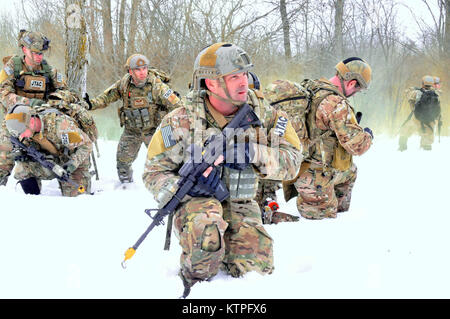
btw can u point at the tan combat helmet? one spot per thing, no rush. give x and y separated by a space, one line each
18 119
427 81
355 69
35 41
219 60
136 61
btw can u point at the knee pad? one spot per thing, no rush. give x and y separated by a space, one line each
30 186
211 238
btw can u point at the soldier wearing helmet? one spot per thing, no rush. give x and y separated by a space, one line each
146 97
226 235
424 98
59 138
26 79
331 136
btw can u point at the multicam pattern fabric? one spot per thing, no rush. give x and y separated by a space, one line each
334 136
150 102
70 143
244 243
9 95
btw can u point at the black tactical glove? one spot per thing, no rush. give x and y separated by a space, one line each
206 186
238 156
368 130
88 101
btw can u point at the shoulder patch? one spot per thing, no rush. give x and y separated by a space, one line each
167 135
160 141
280 125
171 96
65 139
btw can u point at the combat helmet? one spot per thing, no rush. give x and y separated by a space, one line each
136 61
18 119
35 41
355 68
427 81
219 60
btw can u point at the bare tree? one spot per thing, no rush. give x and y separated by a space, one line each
285 23
338 25
77 46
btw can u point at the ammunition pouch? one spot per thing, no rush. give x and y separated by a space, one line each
342 160
139 118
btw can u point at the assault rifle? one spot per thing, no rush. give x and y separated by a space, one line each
37 156
192 170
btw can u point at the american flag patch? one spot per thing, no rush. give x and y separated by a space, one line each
167 136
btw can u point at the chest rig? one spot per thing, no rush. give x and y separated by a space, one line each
31 84
206 121
139 111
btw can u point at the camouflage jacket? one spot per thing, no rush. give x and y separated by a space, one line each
333 129
277 156
11 93
155 95
61 137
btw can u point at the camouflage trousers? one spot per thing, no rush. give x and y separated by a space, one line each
127 150
6 156
323 195
80 176
216 235
266 188
413 126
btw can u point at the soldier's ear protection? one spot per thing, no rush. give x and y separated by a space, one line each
46 44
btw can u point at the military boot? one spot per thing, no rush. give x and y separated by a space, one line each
426 147
125 176
402 143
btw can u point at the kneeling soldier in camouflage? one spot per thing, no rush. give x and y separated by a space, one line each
65 146
227 234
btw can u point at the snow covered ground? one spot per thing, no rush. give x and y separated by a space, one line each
393 243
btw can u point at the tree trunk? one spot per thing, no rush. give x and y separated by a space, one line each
108 48
338 24
447 28
131 47
77 46
121 31
285 23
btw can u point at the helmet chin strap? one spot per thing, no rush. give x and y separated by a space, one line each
342 86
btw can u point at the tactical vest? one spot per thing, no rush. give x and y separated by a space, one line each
324 146
139 111
242 185
31 84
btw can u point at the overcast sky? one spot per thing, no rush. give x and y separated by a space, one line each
407 21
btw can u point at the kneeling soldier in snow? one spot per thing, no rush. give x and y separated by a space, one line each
56 136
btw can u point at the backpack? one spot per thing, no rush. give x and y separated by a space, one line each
294 99
428 107
69 104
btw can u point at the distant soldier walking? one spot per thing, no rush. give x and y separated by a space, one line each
146 98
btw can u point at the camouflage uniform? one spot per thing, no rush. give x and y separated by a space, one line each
413 125
30 86
62 141
213 234
142 110
327 174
